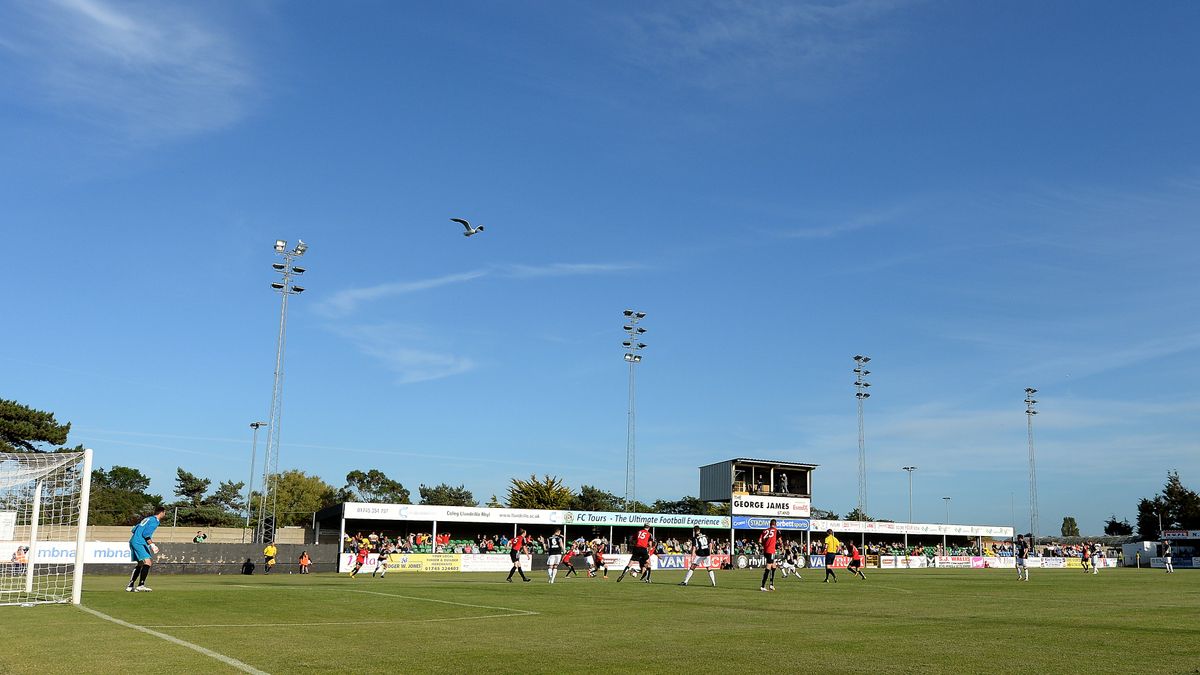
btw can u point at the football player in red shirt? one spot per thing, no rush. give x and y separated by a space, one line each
856 562
517 544
641 554
360 560
598 556
768 539
566 562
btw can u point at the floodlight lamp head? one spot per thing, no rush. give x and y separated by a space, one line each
1030 390
298 270
301 247
640 315
1030 412
628 312
629 357
297 289
255 425
280 245
627 344
637 358
277 286
628 327
641 345
278 267
641 330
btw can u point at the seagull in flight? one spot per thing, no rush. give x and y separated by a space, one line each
470 230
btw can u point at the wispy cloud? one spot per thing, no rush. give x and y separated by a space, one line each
855 223
719 45
562 269
396 348
142 71
345 302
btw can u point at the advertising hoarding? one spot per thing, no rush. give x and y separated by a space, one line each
779 507
63 552
762 522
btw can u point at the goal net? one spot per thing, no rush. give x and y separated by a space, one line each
43 524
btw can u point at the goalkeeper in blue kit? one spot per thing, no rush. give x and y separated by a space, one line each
142 550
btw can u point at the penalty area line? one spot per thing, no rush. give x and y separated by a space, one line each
227 660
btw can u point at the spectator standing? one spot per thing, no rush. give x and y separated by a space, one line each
200 537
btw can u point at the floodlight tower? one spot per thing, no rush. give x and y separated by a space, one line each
633 345
910 470
860 392
1033 492
269 499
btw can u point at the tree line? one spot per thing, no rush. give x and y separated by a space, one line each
119 494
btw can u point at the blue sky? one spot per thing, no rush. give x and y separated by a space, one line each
982 197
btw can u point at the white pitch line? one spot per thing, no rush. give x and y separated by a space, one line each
227 660
513 611
516 612
894 588
342 623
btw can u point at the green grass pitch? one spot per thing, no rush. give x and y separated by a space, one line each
919 621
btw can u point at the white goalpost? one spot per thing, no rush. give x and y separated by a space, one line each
43 526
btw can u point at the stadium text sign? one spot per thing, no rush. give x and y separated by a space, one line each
639 519
763 522
869 526
1167 534
779 507
459 514
63 552
434 562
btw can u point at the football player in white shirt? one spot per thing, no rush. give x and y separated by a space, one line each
701 550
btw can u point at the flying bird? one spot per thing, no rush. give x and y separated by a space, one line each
470 230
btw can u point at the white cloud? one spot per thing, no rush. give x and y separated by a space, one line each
145 72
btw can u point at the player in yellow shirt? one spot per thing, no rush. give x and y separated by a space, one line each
832 546
269 556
